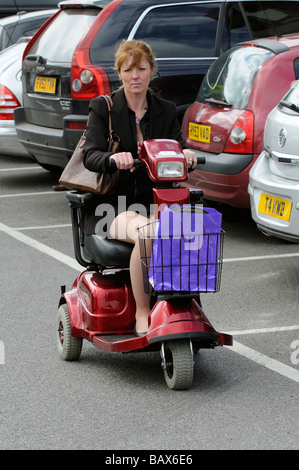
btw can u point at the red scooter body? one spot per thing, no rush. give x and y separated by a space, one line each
100 307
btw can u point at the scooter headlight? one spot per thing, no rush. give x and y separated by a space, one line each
170 169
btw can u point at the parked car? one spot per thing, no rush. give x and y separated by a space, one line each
12 7
14 27
11 97
226 122
274 178
71 60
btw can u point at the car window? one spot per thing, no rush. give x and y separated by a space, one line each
3 38
11 33
231 77
73 23
253 20
181 30
296 68
293 95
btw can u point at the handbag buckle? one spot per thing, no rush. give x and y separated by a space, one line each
113 137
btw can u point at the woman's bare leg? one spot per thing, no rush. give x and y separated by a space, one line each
124 227
141 298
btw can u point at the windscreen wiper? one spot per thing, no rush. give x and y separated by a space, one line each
222 103
38 58
289 105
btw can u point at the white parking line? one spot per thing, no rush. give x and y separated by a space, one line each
239 348
31 194
42 227
260 358
41 247
22 168
265 361
263 330
260 258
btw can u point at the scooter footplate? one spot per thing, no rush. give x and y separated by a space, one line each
116 338
120 343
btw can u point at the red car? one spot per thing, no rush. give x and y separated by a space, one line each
226 122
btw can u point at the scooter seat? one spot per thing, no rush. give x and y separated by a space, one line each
108 252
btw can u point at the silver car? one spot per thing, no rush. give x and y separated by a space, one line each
12 28
274 178
11 97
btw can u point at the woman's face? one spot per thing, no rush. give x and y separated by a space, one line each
136 78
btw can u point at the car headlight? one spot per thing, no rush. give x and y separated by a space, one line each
170 169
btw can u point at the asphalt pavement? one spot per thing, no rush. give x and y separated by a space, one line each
242 397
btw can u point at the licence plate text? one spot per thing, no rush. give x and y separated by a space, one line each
199 132
45 84
275 207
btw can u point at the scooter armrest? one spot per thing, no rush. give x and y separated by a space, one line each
78 199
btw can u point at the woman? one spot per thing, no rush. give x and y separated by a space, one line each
137 115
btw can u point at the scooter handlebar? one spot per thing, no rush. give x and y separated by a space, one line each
112 164
201 160
137 162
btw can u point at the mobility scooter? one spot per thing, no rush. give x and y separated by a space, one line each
100 306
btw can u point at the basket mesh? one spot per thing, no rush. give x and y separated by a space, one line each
168 267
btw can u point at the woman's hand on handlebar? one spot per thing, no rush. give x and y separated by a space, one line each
123 160
191 158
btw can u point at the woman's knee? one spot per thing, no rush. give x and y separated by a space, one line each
125 226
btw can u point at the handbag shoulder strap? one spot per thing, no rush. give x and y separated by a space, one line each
113 139
109 106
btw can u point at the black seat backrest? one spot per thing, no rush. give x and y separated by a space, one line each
93 251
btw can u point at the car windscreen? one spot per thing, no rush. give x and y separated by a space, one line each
229 80
59 40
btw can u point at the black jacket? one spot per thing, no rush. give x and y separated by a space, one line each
159 122
163 124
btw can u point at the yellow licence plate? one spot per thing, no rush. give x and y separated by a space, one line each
199 132
45 84
275 207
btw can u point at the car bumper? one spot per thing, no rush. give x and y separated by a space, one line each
9 142
261 180
49 146
223 178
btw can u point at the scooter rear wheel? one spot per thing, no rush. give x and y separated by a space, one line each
69 347
179 365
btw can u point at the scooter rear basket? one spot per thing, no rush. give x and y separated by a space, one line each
175 265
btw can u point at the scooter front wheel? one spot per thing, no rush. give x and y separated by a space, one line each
178 364
69 347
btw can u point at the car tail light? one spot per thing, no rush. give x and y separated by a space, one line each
89 81
240 139
8 102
